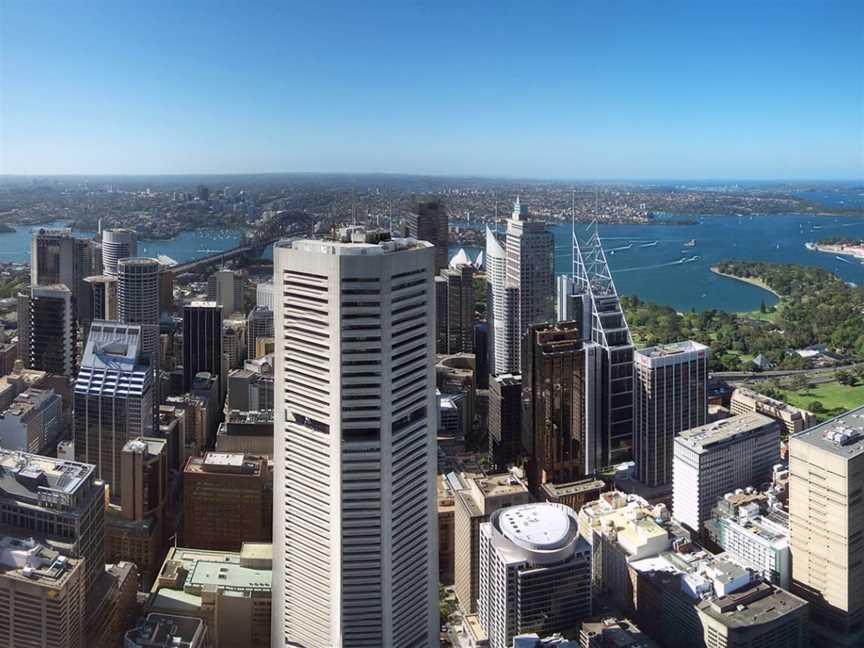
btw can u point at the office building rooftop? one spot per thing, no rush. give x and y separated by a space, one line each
842 436
167 631
32 478
356 241
27 559
702 438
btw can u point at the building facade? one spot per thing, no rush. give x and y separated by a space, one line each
535 572
505 421
717 458
428 221
202 340
476 498
117 244
113 397
51 334
826 527
671 395
793 419
559 404
354 445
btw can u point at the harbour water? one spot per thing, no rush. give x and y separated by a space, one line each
652 261
671 272
184 247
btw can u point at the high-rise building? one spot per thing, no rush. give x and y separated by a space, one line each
226 501
481 355
43 595
502 303
264 295
456 322
51 332
476 498
56 498
671 395
428 222
113 398
530 252
228 289
135 530
535 572
202 340
716 458
205 387
98 301
793 419
505 420
58 257
259 324
560 402
595 307
354 527
117 244
826 527
138 302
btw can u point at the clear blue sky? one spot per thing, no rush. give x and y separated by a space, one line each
571 89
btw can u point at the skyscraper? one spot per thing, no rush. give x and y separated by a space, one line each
502 302
227 288
58 257
259 324
671 396
520 292
505 420
559 404
117 244
202 341
595 307
530 266
138 303
459 308
51 331
428 222
113 398
826 527
354 528
98 301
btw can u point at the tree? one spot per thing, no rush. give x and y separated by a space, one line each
763 308
844 377
816 407
799 382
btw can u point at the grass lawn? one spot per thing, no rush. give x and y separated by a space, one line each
836 398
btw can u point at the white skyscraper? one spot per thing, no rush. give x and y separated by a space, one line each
521 286
354 510
117 244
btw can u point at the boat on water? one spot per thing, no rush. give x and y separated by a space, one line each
651 244
690 243
810 246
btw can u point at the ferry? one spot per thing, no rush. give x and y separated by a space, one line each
690 243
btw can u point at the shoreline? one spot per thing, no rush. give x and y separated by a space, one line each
753 281
833 248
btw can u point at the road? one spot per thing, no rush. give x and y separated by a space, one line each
824 374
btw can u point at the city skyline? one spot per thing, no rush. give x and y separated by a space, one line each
589 91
